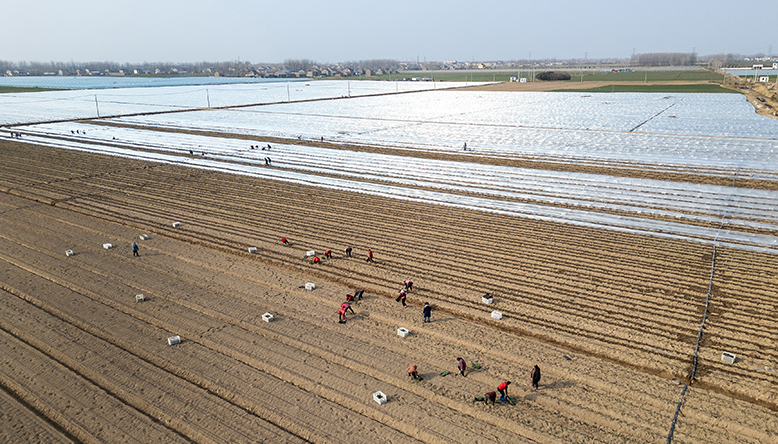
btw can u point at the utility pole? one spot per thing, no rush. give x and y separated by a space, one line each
97 107
288 97
208 98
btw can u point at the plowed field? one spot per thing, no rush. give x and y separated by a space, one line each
611 318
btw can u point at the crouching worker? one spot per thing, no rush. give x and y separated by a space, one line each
328 254
316 260
344 307
413 373
490 396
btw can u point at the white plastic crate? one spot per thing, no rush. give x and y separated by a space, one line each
267 317
107 246
173 340
402 332
252 249
143 237
496 315
486 300
176 224
729 358
379 397
139 298
69 253
310 286
310 253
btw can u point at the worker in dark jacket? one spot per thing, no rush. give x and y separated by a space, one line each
462 366
535 374
426 311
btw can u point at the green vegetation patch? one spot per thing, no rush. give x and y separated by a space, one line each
694 88
22 89
649 76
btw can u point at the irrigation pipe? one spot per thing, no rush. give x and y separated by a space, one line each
702 326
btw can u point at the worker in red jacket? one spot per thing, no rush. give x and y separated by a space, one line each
401 297
284 241
370 255
503 389
344 307
316 260
328 254
489 396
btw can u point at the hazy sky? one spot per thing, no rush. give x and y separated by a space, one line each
343 30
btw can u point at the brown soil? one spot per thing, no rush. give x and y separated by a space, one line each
764 96
610 318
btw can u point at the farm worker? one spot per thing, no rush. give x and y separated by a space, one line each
462 366
401 298
316 260
328 254
284 241
348 251
426 311
135 250
503 389
408 285
535 374
369 255
412 372
349 298
344 307
489 396
358 294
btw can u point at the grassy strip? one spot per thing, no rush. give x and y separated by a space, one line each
649 76
21 89
693 88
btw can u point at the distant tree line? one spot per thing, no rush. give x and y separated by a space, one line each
146 68
298 64
665 59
